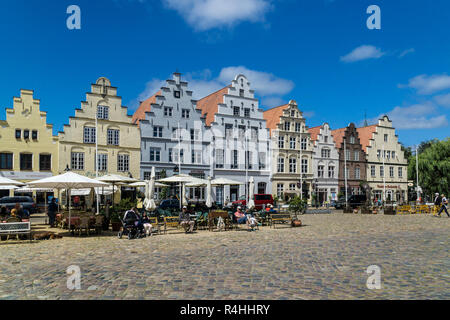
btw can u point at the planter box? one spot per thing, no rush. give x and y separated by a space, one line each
116 226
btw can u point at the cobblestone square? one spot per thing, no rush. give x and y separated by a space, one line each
327 258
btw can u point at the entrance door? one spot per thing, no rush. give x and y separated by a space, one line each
234 193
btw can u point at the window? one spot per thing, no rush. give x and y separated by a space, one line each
378 154
281 142
347 155
89 135
220 158
297 127
352 139
103 112
26 134
185 113
320 170
247 112
113 137
292 113
292 186
325 139
123 162
303 144
262 160
18 133
292 165
280 189
45 162
372 171
77 160
346 172
388 154
170 155
391 172
385 138
254 133
102 162
174 133
195 134
393 154
331 172
357 173
26 161
356 156
228 130
249 159
325 153
167 111
241 92
196 156
234 164
155 154
175 154
6 161
292 142
147 175
381 171
34 134
280 165
236 111
177 94
304 165
157 132
400 172
287 126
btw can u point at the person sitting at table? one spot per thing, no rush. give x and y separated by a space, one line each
52 209
4 213
271 209
146 223
185 220
241 218
17 211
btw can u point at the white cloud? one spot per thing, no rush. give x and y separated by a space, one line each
208 14
363 53
425 84
263 83
443 100
408 51
419 116
266 85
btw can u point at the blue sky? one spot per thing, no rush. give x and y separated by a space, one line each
317 52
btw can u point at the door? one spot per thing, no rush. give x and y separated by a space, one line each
234 193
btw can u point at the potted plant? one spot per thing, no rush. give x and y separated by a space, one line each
116 224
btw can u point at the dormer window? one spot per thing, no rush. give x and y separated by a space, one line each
177 94
241 92
103 112
352 139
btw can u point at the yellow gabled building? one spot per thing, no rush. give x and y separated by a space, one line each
28 148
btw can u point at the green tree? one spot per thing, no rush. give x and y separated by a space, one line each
165 190
434 166
297 205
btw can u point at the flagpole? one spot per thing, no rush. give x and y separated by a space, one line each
179 163
96 160
384 177
345 172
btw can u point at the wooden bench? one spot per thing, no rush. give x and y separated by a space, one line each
156 225
171 222
15 228
213 215
280 218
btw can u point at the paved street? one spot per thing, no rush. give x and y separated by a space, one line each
325 259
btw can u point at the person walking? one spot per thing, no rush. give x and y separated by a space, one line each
444 203
51 212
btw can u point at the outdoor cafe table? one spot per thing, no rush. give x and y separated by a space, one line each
75 219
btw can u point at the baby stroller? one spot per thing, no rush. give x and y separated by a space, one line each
132 229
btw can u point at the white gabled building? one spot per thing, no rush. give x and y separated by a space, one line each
325 163
239 139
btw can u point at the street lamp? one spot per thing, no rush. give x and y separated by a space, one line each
316 192
345 172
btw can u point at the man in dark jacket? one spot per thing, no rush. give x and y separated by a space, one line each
444 203
52 209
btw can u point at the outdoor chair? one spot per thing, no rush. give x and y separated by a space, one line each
99 224
84 225
13 219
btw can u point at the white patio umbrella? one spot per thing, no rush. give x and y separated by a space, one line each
115 178
68 181
221 182
251 201
150 203
208 194
144 184
183 179
9 182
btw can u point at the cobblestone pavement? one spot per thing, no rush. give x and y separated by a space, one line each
325 259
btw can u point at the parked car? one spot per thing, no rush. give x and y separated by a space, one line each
26 202
169 204
261 200
355 200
